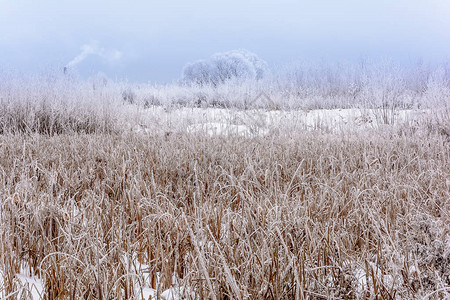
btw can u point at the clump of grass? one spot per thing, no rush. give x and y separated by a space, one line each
31 118
52 105
97 216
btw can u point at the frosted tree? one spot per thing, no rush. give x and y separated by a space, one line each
260 66
199 72
223 67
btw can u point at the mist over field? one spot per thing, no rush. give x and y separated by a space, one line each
155 40
232 150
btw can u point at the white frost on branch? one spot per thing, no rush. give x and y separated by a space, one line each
222 67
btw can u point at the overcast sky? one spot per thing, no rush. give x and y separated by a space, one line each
152 40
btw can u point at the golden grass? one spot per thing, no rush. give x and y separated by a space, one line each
232 218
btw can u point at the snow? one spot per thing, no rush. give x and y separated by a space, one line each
172 293
148 293
217 128
361 278
175 293
143 287
26 283
33 284
260 122
34 287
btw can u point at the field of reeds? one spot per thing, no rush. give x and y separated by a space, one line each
92 209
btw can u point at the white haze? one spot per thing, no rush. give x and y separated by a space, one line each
157 38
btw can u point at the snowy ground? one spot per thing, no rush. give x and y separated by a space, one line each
251 123
28 286
31 287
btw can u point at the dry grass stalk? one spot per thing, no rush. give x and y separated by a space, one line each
228 217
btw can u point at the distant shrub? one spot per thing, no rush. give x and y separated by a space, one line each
222 67
129 96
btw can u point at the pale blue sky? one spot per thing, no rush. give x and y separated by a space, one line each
152 40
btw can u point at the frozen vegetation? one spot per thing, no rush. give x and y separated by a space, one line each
223 68
308 182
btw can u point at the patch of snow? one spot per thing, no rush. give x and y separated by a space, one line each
216 128
259 122
144 289
30 283
148 293
361 279
177 293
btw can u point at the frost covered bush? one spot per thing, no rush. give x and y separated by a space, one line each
129 96
223 67
52 104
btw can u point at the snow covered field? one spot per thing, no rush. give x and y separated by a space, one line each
251 123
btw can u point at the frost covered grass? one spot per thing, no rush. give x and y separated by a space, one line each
118 191
384 85
309 216
54 104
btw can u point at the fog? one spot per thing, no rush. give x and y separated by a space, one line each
151 41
